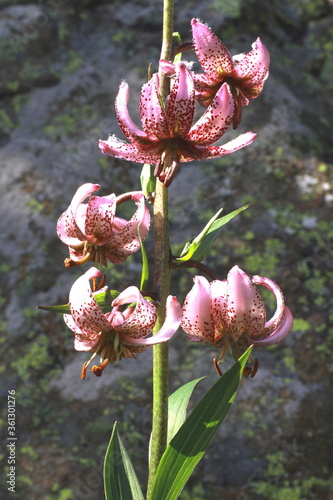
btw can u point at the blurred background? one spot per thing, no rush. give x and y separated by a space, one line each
61 64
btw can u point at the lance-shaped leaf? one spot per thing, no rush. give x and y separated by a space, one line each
193 438
177 406
120 481
178 402
199 247
103 299
145 265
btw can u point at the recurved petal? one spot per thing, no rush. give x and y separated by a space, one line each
85 311
126 240
280 332
169 68
99 217
128 127
81 194
215 120
170 325
246 310
68 319
197 321
214 57
141 319
275 289
205 90
219 297
154 122
76 254
82 342
68 228
216 151
150 153
253 68
181 102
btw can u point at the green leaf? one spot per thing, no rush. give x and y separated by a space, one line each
178 402
177 41
199 247
177 406
103 299
120 481
145 265
193 438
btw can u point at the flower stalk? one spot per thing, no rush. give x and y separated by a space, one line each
161 279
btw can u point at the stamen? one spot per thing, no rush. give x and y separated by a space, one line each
71 263
255 367
84 366
170 173
98 370
217 368
84 370
159 166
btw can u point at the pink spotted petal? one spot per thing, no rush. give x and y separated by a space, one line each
142 318
203 84
67 228
83 344
197 320
128 127
216 119
170 326
246 310
98 223
68 319
126 241
281 331
81 194
76 254
212 54
86 313
217 151
181 102
275 289
132 152
154 122
253 68
219 298
168 67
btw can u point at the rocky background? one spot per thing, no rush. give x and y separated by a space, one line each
61 64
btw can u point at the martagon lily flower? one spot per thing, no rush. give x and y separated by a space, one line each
232 312
168 137
246 74
94 233
121 332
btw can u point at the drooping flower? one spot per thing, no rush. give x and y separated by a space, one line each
94 233
233 312
168 136
121 332
246 74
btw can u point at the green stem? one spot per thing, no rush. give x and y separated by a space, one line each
161 282
160 351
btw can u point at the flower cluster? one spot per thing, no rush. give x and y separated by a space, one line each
221 313
168 136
